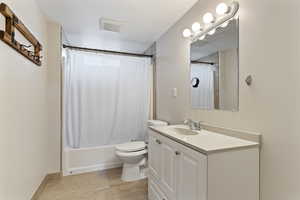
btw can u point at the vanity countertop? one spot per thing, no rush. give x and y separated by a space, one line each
206 141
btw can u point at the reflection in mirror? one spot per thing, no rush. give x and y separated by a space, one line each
215 70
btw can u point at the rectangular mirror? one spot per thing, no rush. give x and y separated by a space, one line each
214 70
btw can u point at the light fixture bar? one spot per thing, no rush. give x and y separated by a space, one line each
232 12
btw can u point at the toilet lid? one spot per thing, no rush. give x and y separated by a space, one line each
131 146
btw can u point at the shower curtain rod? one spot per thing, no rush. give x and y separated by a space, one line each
107 51
201 62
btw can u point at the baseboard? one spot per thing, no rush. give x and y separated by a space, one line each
54 175
92 168
43 184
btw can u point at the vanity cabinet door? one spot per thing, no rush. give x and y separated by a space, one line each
154 193
192 175
154 152
169 165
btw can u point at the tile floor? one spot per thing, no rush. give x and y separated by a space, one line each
104 185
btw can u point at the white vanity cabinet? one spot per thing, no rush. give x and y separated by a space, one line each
191 181
163 161
177 172
154 193
154 152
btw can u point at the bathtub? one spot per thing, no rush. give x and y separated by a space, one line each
76 161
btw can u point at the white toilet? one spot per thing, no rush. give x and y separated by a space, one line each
133 155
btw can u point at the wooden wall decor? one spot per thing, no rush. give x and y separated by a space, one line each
8 36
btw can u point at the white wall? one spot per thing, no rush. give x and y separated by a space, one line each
270 53
25 151
54 95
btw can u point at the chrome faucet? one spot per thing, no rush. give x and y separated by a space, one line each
194 125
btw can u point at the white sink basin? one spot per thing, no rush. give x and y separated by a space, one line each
184 131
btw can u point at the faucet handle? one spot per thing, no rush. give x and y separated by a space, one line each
187 121
199 124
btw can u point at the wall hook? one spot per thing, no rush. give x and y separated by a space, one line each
249 80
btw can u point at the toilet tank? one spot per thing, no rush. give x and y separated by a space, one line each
157 123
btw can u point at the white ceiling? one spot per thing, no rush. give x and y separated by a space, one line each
144 20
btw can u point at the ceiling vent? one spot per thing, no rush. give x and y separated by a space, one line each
110 25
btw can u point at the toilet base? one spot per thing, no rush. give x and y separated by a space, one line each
133 172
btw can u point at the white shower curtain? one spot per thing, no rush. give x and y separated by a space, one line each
106 98
203 96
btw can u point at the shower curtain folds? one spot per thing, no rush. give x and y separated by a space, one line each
105 98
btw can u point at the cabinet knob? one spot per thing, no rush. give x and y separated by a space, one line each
177 153
158 141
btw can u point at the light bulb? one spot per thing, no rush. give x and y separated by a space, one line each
202 37
212 32
208 18
222 9
196 27
225 24
186 33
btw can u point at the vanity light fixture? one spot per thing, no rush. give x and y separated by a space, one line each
202 37
208 18
186 33
224 12
224 25
212 32
222 9
196 27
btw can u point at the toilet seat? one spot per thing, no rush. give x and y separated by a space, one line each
131 147
131 154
